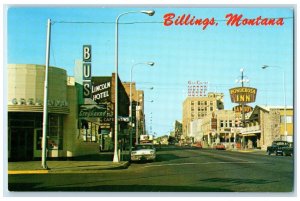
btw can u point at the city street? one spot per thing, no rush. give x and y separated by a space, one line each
177 169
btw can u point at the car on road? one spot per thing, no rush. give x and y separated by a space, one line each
289 150
277 147
220 146
143 152
198 145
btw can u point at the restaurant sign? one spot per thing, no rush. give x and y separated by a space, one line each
242 95
239 108
111 119
86 111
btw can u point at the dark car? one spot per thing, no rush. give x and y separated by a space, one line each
289 150
277 147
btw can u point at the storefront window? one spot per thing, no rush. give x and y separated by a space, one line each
89 131
55 132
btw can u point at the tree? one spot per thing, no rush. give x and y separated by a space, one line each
171 140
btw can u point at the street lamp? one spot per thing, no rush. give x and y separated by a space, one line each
243 79
150 13
130 96
137 112
130 93
284 95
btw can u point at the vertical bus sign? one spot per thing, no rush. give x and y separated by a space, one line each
87 71
87 53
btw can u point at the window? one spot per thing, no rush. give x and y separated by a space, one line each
221 123
55 132
89 131
289 119
211 108
230 123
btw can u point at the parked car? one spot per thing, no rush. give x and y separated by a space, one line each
289 150
220 146
198 145
143 152
277 147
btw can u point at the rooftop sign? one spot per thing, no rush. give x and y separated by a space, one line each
242 95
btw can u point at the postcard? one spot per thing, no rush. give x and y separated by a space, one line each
150 99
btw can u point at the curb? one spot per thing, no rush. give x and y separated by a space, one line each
87 169
28 171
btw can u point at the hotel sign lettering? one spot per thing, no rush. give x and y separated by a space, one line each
197 88
242 95
101 91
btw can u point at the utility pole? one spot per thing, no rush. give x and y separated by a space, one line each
45 109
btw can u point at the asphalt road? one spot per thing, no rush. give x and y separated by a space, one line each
176 170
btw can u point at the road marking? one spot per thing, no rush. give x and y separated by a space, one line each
219 155
206 163
28 171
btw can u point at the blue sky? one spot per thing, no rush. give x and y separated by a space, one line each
180 53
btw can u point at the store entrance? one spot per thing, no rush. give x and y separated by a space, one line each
21 144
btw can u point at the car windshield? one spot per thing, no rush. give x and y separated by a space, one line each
144 146
281 143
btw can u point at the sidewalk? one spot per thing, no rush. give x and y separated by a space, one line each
257 151
82 164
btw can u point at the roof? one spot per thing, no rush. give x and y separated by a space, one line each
268 108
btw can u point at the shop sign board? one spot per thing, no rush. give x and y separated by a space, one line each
92 110
239 108
242 95
87 53
101 89
214 123
197 88
110 119
87 71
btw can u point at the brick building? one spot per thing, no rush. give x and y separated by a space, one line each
198 108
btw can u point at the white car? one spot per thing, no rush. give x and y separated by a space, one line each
145 152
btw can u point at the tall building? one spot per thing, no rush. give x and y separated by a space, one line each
198 108
218 126
138 116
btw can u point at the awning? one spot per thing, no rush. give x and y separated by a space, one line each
248 135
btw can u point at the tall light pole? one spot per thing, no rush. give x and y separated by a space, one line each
130 97
243 80
284 95
150 13
45 109
136 119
